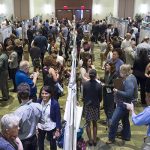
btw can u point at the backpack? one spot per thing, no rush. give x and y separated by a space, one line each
81 144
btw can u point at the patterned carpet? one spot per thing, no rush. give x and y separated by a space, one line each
138 133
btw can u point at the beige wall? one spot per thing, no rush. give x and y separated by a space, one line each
115 11
38 7
102 8
46 8
142 6
21 9
7 8
126 8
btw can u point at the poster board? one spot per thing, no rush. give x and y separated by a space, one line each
144 31
122 25
5 32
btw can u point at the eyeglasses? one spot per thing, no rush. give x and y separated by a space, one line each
27 67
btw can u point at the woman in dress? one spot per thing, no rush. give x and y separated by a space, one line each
92 96
103 47
51 75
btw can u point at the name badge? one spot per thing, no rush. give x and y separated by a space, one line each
108 90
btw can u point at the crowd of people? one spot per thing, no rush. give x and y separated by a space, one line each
126 67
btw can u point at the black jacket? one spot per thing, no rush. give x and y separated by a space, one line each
92 93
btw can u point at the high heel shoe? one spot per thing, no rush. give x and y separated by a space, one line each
90 143
94 143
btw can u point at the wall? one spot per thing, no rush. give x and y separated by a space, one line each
126 8
115 11
142 6
74 8
73 4
106 6
102 8
46 8
7 8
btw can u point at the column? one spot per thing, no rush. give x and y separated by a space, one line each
22 9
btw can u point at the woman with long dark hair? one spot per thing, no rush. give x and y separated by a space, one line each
51 119
51 74
108 94
86 67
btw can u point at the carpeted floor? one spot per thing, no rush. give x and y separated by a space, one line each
138 133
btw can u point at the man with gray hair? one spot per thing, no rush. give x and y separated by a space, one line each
22 76
143 45
29 114
130 54
9 132
126 42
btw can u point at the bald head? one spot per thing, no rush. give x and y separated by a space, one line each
146 39
24 66
128 36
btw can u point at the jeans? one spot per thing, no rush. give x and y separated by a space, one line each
142 82
4 84
108 105
120 113
41 137
12 76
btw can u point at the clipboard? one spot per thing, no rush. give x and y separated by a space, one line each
118 83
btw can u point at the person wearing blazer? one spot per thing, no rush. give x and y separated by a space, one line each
51 119
108 95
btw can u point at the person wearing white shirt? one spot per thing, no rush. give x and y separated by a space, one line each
126 42
50 123
130 54
86 29
135 29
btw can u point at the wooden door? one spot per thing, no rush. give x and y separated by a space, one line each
77 13
87 14
60 14
126 8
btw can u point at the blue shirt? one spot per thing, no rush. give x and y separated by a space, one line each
143 118
117 63
5 145
41 43
30 115
22 77
129 90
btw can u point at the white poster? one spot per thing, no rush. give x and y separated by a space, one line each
144 31
5 32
